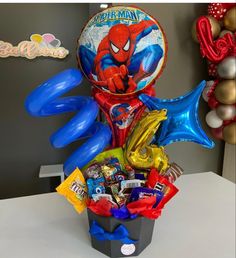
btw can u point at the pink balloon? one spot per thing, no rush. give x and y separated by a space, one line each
48 37
217 132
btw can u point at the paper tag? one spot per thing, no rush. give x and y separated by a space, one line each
127 249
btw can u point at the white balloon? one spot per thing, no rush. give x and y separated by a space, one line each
213 120
227 68
208 86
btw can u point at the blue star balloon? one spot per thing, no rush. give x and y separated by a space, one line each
182 123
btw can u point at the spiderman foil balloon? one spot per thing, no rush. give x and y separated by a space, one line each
121 51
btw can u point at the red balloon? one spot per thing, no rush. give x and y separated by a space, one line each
121 111
217 132
228 6
214 50
212 70
218 10
213 102
227 122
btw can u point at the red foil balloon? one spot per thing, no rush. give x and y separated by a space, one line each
121 112
214 51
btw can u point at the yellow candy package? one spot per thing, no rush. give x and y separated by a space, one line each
74 188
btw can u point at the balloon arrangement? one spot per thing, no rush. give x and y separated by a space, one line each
216 34
121 51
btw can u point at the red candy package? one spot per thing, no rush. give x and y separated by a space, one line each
162 184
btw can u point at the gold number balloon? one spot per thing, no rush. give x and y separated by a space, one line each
138 151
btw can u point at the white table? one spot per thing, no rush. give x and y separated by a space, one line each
198 223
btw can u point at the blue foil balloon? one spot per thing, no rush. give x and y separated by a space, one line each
182 122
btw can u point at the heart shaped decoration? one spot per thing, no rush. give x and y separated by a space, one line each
48 37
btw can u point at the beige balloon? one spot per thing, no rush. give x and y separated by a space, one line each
229 133
223 32
215 28
230 19
225 92
226 112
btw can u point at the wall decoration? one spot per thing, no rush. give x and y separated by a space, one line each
46 45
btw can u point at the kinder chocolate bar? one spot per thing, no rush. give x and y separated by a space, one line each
97 197
131 183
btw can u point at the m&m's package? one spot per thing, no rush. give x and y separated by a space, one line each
74 188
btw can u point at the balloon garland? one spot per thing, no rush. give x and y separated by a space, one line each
216 33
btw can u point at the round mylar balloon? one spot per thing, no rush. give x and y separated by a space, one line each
122 50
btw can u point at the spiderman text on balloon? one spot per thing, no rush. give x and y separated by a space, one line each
117 66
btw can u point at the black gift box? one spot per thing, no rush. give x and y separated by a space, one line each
139 229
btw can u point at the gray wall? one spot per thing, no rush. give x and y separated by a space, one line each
184 70
24 140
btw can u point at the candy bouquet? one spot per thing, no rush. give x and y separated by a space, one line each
121 173
113 189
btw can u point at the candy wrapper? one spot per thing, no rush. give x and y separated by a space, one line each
161 184
75 190
115 153
101 207
173 172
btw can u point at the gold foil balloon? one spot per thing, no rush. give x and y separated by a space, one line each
215 28
225 92
229 133
138 151
194 32
226 112
230 19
